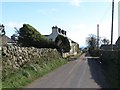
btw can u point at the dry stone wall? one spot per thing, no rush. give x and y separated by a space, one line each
15 58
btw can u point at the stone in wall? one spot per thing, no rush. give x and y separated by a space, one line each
14 58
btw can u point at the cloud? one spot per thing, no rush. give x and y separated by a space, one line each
58 0
9 27
47 11
75 2
53 9
14 24
105 30
78 33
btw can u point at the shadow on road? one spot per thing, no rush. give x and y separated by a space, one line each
97 72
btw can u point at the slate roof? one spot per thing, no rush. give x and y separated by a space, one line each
6 39
118 42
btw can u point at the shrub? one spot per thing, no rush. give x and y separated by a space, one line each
111 65
29 36
95 53
65 44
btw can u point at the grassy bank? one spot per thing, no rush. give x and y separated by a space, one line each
111 65
31 72
0 85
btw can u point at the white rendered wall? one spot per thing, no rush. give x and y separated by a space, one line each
119 19
53 35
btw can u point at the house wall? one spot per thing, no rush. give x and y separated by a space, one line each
57 31
53 35
73 50
74 46
6 40
118 43
119 19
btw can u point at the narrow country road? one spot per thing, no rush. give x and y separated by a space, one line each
81 73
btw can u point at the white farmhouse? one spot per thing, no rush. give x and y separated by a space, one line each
58 31
119 19
55 32
118 40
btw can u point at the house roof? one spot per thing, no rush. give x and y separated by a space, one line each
46 35
6 39
118 41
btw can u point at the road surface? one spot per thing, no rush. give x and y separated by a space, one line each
81 73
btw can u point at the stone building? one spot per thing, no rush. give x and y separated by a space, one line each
55 32
118 41
3 38
6 40
58 31
119 19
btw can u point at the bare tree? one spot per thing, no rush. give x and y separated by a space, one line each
92 41
105 41
2 29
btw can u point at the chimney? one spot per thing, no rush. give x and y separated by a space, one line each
54 29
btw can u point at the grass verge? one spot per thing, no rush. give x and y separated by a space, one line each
111 73
31 72
111 65
0 85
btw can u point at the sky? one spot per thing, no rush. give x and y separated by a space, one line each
78 17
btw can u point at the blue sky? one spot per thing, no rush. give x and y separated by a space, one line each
78 17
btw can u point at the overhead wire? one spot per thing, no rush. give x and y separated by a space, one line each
106 12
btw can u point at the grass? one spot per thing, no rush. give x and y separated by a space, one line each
111 64
0 85
112 74
30 73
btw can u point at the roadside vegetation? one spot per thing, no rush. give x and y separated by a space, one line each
110 60
111 65
28 36
0 85
29 73
63 43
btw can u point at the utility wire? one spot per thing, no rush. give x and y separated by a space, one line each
106 12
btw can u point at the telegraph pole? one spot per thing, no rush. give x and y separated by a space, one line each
112 25
97 36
